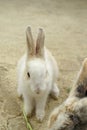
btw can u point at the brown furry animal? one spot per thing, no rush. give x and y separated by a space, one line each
74 110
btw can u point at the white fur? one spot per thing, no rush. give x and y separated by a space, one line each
43 76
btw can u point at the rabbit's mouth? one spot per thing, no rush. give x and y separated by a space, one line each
37 91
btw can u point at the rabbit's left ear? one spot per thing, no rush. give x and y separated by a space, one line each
30 42
40 43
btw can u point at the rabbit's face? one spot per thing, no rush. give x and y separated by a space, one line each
37 75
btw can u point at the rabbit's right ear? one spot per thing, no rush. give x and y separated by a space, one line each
40 43
30 42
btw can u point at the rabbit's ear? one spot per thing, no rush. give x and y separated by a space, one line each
40 43
30 42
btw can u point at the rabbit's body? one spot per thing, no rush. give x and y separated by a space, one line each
74 110
38 74
51 68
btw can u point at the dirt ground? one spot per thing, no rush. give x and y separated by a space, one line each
65 24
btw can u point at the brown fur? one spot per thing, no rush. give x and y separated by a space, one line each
75 107
80 87
54 117
52 120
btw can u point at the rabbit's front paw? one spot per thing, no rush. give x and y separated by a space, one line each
40 115
19 92
28 111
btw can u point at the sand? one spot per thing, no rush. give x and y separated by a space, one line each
65 24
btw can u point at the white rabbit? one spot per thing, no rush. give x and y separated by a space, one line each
37 75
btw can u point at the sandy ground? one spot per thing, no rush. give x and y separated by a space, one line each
65 23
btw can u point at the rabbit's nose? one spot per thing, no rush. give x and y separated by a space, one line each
38 91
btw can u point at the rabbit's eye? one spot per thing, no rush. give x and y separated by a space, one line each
28 74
